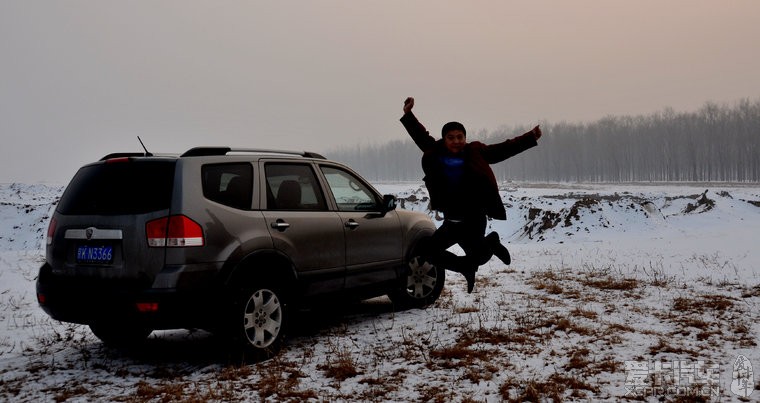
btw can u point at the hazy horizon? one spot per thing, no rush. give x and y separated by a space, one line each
81 79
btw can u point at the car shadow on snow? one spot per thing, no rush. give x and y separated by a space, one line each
326 316
192 349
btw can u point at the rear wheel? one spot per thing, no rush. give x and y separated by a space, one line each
258 322
422 285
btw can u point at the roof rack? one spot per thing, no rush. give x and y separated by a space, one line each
207 151
125 155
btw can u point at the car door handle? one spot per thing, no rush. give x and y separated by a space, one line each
280 225
351 224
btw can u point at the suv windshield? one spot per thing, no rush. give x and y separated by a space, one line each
114 188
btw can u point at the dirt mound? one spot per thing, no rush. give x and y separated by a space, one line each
701 205
585 212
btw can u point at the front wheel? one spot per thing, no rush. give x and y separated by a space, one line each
422 284
258 322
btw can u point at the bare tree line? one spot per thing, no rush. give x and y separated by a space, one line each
714 143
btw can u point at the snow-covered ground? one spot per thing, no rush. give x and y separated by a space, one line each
615 292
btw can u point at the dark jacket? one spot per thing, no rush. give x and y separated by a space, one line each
482 192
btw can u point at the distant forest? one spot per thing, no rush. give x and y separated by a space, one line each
716 143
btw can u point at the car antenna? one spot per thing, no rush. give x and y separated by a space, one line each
147 153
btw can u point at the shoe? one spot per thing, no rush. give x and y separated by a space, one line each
469 275
498 249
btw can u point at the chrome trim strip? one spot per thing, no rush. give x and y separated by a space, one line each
95 233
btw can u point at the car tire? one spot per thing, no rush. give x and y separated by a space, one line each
421 286
120 335
258 322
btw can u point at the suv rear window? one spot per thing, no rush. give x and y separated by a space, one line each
114 188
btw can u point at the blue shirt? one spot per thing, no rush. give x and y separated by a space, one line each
455 187
453 169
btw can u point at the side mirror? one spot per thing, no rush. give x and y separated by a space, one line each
389 203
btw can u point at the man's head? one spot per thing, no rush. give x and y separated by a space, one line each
454 136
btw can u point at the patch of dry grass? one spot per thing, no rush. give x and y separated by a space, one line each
557 387
163 392
340 365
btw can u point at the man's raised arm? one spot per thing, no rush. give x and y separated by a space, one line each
416 130
500 151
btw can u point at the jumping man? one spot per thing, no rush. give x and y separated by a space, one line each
462 186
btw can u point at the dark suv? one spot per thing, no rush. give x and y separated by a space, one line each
225 240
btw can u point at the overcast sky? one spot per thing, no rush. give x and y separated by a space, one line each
80 79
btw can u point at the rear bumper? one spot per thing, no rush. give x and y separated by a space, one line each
87 300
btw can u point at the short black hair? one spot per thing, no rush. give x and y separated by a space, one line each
452 126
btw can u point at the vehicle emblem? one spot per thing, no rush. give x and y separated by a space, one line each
88 232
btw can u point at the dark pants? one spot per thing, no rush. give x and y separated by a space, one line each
469 234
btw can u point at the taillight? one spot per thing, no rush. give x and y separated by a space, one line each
145 307
51 230
174 231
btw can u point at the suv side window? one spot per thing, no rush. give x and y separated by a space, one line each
293 187
350 193
229 184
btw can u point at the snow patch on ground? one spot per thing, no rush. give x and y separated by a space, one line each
605 280
24 214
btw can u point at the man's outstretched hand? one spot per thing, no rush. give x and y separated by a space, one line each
536 131
408 105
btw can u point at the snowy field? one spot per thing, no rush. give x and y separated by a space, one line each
615 292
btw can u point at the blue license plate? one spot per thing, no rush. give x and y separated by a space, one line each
95 254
